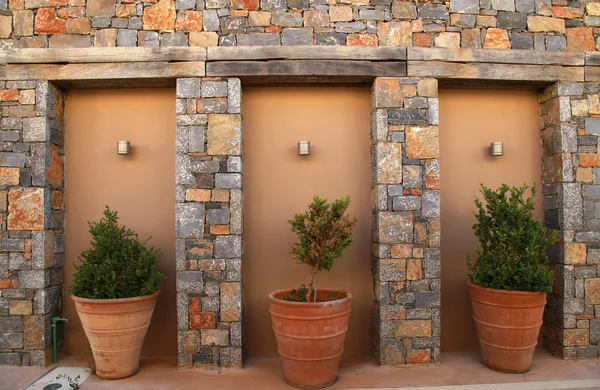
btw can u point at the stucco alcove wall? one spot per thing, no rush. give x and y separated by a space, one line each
405 148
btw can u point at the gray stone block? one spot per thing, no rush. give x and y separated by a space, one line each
216 4
210 20
371 14
511 20
228 180
234 94
35 279
556 43
217 216
173 39
47 301
587 352
126 38
185 4
503 5
35 129
525 6
431 263
433 11
231 357
234 164
188 88
287 19
8 159
211 304
427 299
595 331
431 203
183 313
404 116
10 359
233 272
135 23
405 203
190 282
13 244
11 340
205 166
197 139
464 6
11 324
273 5
233 25
100 21
349 27
260 39
296 36
190 220
330 39
213 89
228 247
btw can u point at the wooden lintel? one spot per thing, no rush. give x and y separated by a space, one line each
485 71
592 58
249 53
105 54
305 68
592 73
127 70
496 56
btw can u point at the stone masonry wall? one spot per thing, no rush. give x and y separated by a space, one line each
31 208
406 213
503 24
570 121
209 222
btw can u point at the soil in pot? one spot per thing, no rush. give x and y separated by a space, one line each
508 325
116 329
310 336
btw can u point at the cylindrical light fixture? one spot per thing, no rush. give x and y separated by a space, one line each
496 149
123 147
304 148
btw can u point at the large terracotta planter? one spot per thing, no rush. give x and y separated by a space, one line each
310 337
116 329
508 325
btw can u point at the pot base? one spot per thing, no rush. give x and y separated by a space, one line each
311 388
506 371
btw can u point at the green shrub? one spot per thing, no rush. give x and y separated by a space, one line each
513 243
117 265
323 232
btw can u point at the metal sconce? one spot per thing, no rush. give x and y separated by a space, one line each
123 147
496 149
304 148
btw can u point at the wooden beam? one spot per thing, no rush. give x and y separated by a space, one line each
527 57
592 58
305 68
453 70
139 70
106 54
248 53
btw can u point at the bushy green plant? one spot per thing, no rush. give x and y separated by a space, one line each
117 264
513 244
324 231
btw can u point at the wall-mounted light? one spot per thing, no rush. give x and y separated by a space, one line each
304 148
123 147
496 149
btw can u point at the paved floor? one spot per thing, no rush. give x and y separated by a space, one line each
456 368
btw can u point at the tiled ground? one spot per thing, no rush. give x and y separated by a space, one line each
456 368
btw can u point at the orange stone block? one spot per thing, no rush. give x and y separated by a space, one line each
189 21
496 38
58 200
160 17
401 251
245 4
273 29
9 95
574 337
54 174
239 12
566 12
588 159
580 39
423 40
194 305
25 209
9 283
202 320
197 195
9 176
219 229
414 269
71 12
413 328
220 195
362 40
46 22
419 357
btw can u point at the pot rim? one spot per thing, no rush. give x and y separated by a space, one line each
272 297
116 300
506 292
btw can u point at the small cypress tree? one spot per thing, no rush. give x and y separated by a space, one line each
324 231
513 243
117 264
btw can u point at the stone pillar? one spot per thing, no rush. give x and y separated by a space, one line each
406 221
571 179
31 205
209 222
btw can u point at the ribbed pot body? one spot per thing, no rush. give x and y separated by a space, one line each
116 329
508 325
310 337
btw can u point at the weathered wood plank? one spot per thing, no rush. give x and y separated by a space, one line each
440 69
305 68
248 53
531 57
106 54
592 73
592 58
100 71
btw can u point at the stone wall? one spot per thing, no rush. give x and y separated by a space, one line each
406 211
518 24
571 178
209 222
31 207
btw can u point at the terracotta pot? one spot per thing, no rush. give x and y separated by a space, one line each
508 325
116 329
310 337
